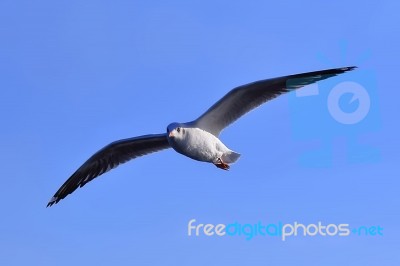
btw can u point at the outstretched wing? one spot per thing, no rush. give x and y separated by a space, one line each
109 157
245 98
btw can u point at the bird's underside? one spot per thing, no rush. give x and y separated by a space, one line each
231 107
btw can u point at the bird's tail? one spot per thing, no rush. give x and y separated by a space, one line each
230 157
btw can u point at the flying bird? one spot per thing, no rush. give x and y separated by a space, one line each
197 139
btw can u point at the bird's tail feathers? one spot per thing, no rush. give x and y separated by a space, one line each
230 157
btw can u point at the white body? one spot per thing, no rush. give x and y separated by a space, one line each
200 145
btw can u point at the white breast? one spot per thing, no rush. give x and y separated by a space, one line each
199 145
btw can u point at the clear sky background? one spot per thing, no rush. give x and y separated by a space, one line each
76 75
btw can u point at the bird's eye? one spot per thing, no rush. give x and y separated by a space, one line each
178 129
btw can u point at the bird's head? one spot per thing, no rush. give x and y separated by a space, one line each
175 131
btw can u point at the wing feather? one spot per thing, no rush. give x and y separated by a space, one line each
109 157
245 98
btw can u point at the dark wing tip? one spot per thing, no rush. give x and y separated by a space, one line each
345 69
334 71
52 201
337 71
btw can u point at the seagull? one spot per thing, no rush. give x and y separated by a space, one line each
198 139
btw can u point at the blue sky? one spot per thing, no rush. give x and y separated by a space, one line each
77 75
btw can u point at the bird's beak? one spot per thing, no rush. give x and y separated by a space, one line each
170 135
